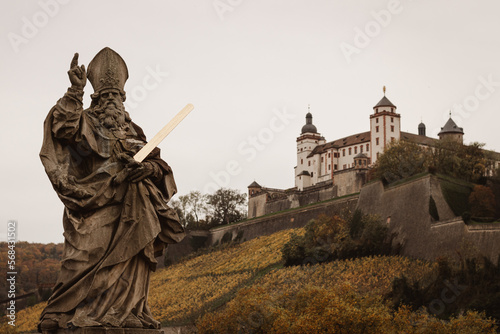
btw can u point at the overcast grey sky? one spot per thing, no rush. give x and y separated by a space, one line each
250 67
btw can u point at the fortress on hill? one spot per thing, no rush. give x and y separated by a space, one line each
332 169
330 177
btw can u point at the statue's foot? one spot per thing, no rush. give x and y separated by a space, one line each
48 325
132 322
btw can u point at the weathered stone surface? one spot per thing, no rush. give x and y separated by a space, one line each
405 208
104 330
180 330
116 217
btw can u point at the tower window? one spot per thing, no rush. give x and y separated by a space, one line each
335 167
392 128
321 159
376 120
329 167
376 141
343 152
350 151
367 147
392 119
361 149
355 150
376 128
301 161
309 163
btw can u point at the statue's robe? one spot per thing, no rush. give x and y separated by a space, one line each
112 227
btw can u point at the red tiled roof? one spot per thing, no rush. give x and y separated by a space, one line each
417 139
359 138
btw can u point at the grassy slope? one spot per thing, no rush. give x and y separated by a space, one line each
182 293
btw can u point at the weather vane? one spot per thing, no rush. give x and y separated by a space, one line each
384 90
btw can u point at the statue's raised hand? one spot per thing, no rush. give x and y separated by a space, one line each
77 74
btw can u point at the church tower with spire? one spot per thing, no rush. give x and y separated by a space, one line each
385 127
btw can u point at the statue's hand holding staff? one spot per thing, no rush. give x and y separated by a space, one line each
134 171
77 74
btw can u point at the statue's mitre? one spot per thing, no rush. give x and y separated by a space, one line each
107 70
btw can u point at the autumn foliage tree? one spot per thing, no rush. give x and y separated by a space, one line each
401 159
331 238
37 266
203 211
191 209
226 206
482 202
466 162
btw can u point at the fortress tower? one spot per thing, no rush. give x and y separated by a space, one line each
450 131
385 127
307 169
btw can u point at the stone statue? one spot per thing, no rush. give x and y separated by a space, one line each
116 218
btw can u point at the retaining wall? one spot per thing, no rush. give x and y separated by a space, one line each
405 208
252 228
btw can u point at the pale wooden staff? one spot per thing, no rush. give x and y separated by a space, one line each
143 153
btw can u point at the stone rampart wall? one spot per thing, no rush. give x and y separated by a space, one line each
405 208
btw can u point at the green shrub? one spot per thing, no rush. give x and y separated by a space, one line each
226 238
197 242
239 236
356 224
374 238
466 216
293 251
332 238
482 202
473 284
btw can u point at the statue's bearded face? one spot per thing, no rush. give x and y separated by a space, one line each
111 111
